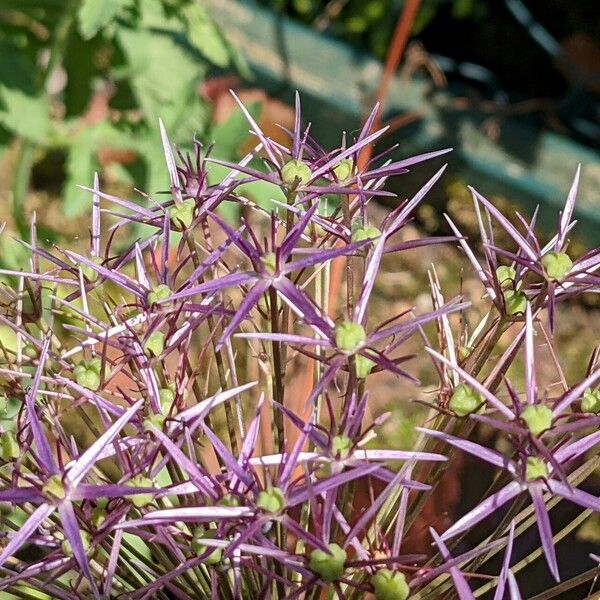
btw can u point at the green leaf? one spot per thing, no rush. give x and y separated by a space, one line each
229 134
27 116
93 15
162 75
205 36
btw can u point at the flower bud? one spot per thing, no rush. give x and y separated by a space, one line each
154 421
505 276
142 499
296 172
343 170
271 500
364 366
390 585
341 445
329 566
199 548
90 273
166 396
229 500
87 373
182 215
515 302
590 403
155 344
536 469
465 400
9 447
349 336
361 233
557 265
538 418
160 292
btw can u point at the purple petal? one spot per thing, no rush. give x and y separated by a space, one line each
507 225
485 508
227 281
576 392
491 456
43 511
545 530
41 441
530 382
577 448
72 534
567 213
574 495
251 299
502 578
193 514
460 583
86 461
475 384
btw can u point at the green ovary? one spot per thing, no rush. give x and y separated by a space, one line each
465 400
295 172
557 265
390 585
538 418
536 469
328 566
349 336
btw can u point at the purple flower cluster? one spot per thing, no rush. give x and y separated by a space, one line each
163 448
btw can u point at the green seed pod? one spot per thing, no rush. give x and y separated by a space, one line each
536 469
344 169
364 366
166 396
590 403
54 487
271 500
557 265
65 545
296 172
390 585
270 262
142 499
9 447
364 232
229 500
160 292
349 336
86 376
154 420
515 302
182 215
90 274
341 445
465 400
538 418
30 351
199 547
328 566
464 352
505 276
155 344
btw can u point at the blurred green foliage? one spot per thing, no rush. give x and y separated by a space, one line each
81 76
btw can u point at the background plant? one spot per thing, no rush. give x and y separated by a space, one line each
204 467
85 81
